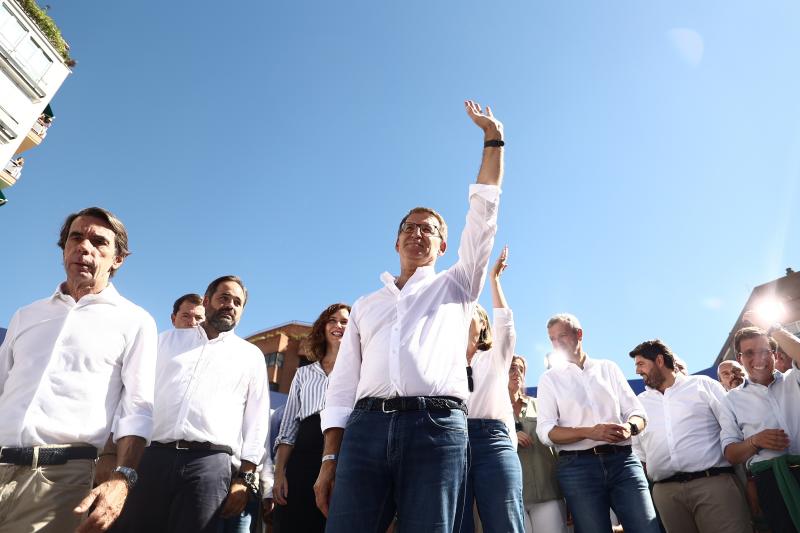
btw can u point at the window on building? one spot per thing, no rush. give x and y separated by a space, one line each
11 29
18 41
274 359
33 58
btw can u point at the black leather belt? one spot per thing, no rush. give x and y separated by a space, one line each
47 455
192 446
683 477
605 449
412 403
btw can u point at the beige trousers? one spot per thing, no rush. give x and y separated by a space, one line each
41 499
705 505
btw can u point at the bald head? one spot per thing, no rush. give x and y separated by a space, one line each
731 374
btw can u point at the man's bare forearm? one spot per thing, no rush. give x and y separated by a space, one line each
130 450
567 435
788 343
491 172
333 441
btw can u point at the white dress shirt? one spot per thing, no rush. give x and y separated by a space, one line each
682 432
751 408
306 397
490 398
412 342
211 391
570 397
66 368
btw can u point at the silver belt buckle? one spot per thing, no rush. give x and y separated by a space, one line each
383 407
178 445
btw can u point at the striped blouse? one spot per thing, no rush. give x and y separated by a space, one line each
306 397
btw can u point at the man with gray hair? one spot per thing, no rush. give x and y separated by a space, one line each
588 411
68 364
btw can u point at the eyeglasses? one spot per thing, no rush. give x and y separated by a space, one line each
518 425
470 382
751 353
429 230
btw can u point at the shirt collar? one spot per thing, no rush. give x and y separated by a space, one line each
419 274
221 337
777 377
109 295
679 379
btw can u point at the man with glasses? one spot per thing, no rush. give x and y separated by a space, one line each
399 383
761 422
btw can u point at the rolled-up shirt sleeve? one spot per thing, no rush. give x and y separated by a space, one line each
6 357
134 414
729 430
343 382
629 404
505 335
291 414
548 410
255 423
477 239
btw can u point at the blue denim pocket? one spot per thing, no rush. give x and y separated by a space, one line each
452 420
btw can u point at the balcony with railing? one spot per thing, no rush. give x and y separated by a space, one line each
11 173
36 134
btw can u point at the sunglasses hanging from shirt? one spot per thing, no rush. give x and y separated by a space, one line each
470 382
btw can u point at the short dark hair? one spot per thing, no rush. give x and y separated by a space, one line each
652 349
120 233
196 299
212 287
317 343
752 332
430 212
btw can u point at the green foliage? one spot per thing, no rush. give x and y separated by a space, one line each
48 27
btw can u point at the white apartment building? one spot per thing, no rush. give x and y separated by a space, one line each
31 71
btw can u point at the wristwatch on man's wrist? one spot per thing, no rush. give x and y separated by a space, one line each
634 428
130 475
249 480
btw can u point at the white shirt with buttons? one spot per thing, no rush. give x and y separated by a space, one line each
413 342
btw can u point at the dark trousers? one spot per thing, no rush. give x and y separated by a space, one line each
769 496
179 491
300 514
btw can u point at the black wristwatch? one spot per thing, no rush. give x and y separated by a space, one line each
634 428
249 479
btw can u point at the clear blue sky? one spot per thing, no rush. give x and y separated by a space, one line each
653 152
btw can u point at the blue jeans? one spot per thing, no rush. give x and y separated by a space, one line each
594 483
494 480
242 523
413 463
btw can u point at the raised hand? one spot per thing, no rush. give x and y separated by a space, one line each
492 128
501 264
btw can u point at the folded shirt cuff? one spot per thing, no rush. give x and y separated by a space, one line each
490 193
543 432
253 454
334 417
134 425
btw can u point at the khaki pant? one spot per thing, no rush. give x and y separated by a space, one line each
42 499
705 505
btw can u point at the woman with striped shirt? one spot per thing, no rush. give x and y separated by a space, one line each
299 442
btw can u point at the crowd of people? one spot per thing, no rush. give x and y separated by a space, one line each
411 417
